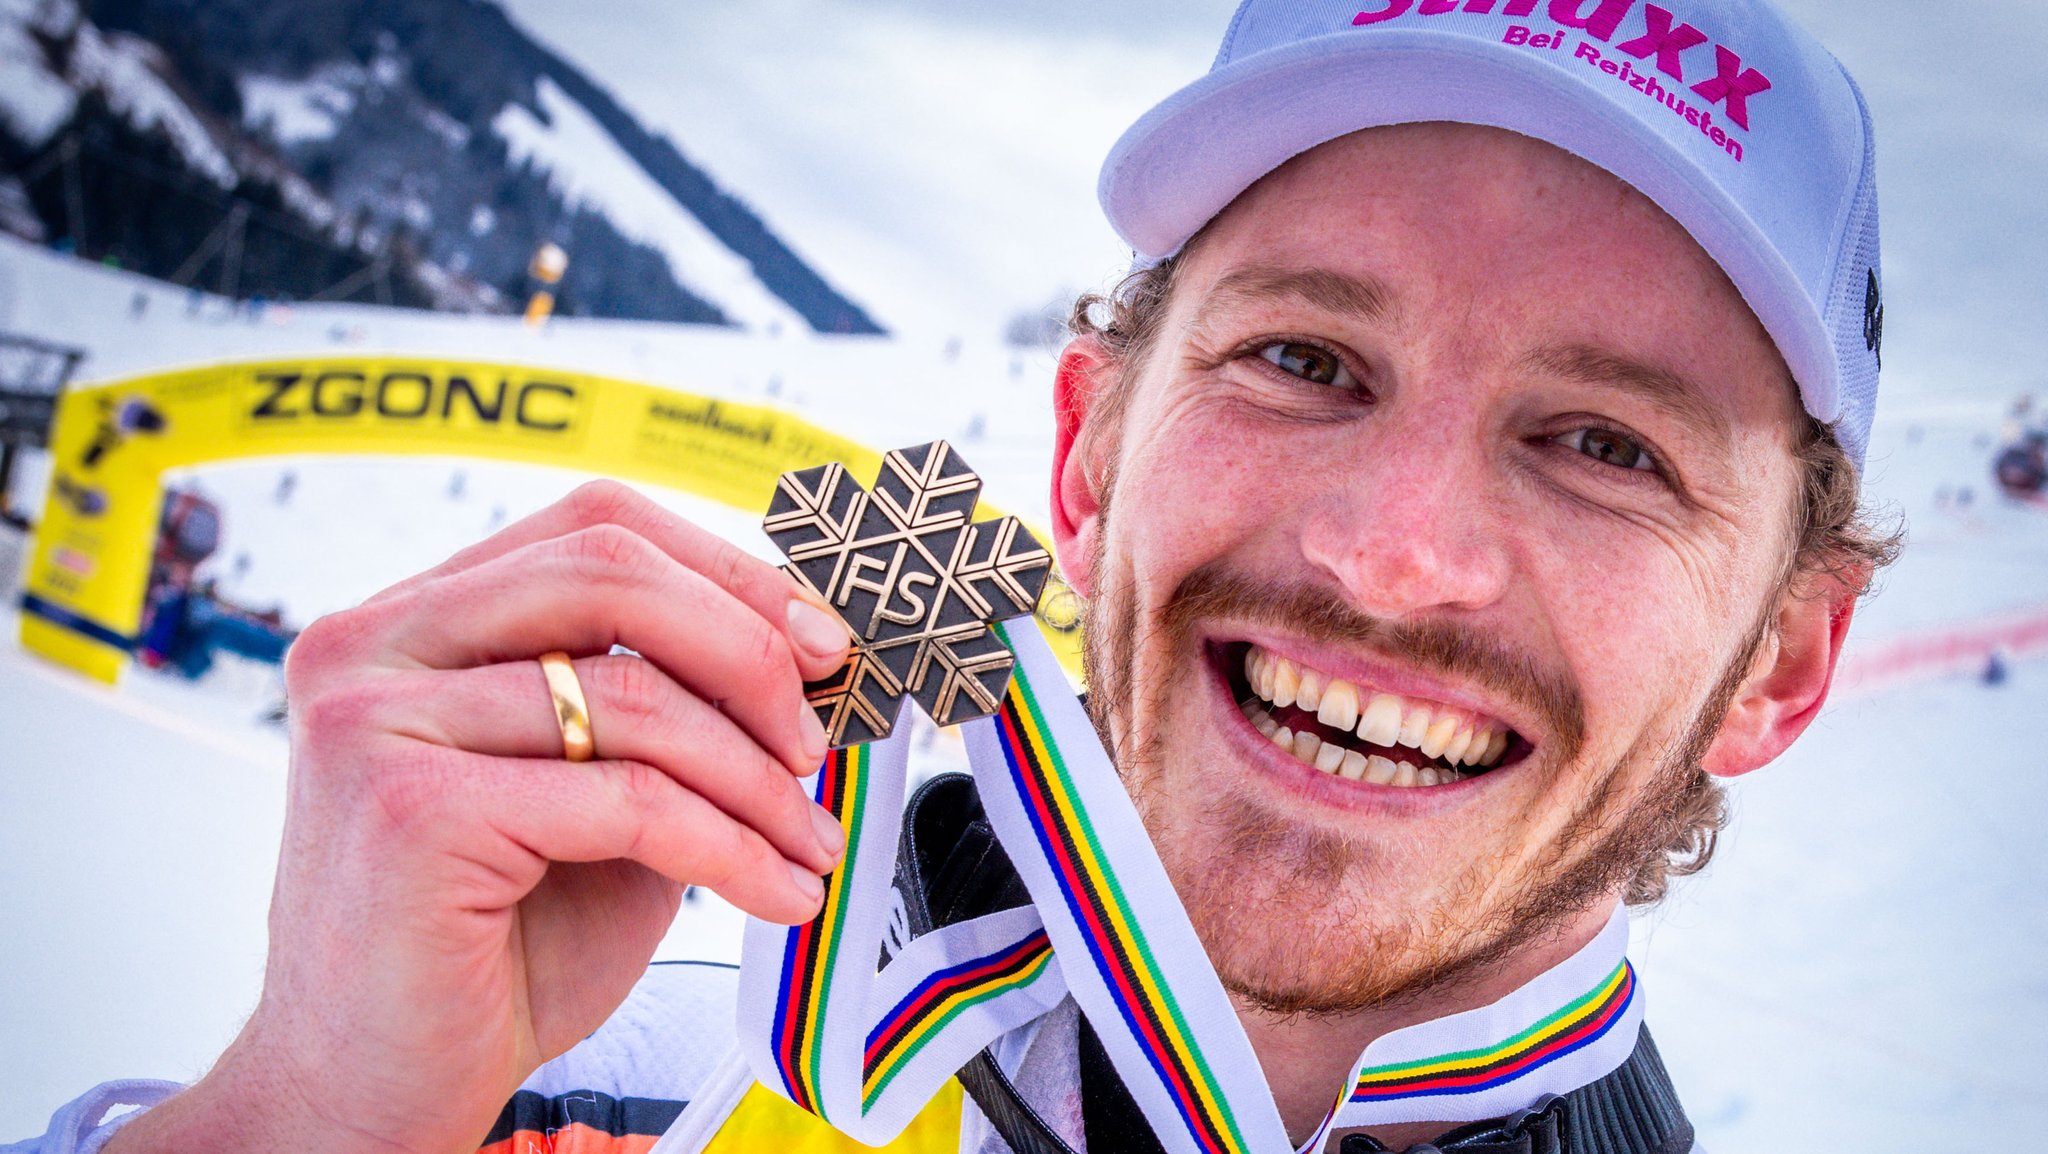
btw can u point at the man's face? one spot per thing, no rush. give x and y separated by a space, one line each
1459 462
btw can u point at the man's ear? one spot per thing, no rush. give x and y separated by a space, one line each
1789 681
1085 371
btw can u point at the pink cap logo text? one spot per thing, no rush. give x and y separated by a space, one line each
1664 37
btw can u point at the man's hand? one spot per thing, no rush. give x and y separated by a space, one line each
455 903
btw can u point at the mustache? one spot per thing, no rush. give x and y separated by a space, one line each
1432 644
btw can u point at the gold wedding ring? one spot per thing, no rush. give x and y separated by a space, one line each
572 713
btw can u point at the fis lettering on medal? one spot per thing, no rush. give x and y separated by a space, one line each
917 581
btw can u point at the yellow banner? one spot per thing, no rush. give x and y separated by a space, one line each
112 444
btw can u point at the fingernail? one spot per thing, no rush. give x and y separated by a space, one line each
831 838
811 732
806 882
817 631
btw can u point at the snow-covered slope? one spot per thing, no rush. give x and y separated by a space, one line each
37 98
589 168
435 139
35 101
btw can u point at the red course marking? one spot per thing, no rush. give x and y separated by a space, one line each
1915 657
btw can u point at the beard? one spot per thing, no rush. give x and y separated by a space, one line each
1294 917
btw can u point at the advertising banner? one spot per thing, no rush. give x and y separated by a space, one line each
82 598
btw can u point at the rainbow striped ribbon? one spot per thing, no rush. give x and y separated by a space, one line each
1568 1027
1483 1068
865 1050
1131 957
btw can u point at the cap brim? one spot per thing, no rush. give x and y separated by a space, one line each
1190 156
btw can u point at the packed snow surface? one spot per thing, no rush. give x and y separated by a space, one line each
1858 971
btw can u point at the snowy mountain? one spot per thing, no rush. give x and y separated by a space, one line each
411 152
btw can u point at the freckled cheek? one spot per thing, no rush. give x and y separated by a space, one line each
1195 491
1634 633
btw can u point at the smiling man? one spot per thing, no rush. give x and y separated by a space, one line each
1508 531
1464 479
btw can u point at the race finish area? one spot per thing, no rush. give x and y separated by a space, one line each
88 579
1852 968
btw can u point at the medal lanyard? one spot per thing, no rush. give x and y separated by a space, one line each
865 1050
864 1044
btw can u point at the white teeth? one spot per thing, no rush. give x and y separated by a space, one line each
1286 679
1309 694
1334 759
1481 742
1339 709
1353 766
1305 746
1438 736
1381 720
1413 725
1459 744
1498 748
1260 719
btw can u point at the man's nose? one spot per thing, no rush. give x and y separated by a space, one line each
1415 521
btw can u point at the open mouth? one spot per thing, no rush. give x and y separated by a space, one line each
1359 733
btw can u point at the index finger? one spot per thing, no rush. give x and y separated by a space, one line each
819 638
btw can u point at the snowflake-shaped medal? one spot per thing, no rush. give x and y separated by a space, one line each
915 578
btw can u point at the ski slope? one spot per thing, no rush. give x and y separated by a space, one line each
1859 970
590 170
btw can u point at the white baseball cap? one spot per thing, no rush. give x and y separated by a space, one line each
1732 119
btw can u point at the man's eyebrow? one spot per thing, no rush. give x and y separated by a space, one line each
1663 388
1333 292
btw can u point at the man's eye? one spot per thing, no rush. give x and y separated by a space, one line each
1609 447
1310 363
